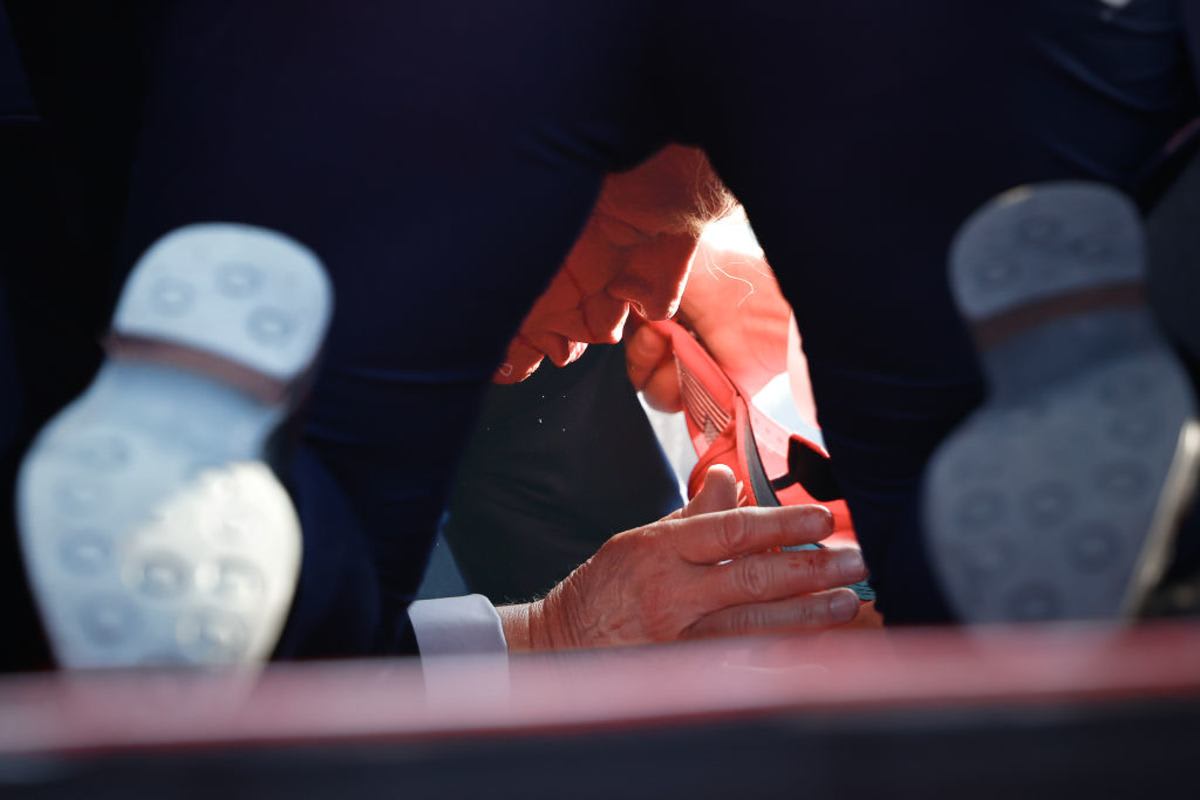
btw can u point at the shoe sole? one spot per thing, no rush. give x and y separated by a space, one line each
1058 498
152 529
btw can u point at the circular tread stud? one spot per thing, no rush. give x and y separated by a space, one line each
108 621
1134 430
1122 480
233 532
160 575
1093 547
238 582
86 553
1048 504
1043 230
1033 602
988 557
79 498
1090 248
997 272
270 326
212 636
238 280
1125 388
979 509
173 297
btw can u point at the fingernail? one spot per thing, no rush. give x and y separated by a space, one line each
826 518
849 565
843 605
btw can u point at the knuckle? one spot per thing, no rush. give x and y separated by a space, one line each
630 547
734 532
817 568
620 542
808 612
755 620
743 623
814 570
637 538
803 570
754 578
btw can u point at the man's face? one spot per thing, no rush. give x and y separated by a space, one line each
635 252
611 269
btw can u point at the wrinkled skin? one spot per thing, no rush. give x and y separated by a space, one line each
634 253
712 568
709 569
638 253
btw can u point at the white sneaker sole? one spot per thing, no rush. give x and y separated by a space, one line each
1059 498
152 530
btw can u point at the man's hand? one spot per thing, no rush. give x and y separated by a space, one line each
710 569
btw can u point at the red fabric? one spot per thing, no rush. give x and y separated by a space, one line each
725 446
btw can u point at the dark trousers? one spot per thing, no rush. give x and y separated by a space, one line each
441 157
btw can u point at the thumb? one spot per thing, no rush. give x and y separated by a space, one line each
645 350
719 492
651 366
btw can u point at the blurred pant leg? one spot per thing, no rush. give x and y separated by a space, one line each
859 136
49 309
440 158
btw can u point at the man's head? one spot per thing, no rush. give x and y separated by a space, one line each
635 252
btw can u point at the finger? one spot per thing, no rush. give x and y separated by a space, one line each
813 611
662 392
719 492
777 576
650 364
716 537
520 362
645 350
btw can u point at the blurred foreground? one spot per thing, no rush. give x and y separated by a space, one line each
1071 710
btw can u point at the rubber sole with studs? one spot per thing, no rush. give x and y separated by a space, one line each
1058 499
153 531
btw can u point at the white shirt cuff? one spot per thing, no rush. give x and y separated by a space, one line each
449 626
